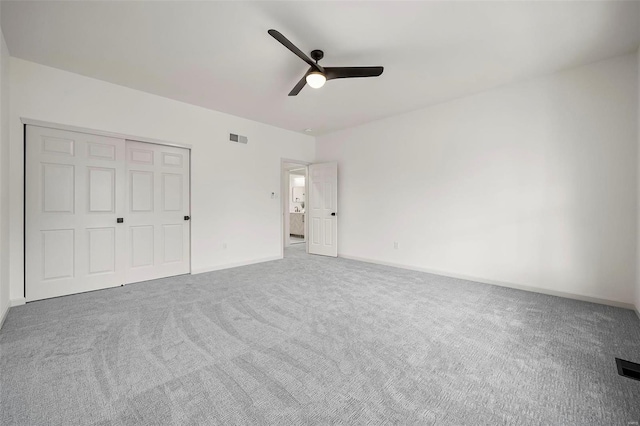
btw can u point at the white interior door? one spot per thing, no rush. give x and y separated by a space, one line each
157 221
74 186
323 202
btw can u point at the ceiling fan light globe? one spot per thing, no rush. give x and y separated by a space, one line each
316 80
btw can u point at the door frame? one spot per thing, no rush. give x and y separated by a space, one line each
58 126
284 189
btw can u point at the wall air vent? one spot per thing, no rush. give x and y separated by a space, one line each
628 369
238 138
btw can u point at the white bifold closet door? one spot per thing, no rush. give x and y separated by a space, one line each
157 219
73 242
101 212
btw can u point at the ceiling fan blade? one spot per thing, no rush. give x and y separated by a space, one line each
292 47
298 87
352 72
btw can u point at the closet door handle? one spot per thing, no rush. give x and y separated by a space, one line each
120 220
187 218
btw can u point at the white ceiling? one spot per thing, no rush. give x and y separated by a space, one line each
218 54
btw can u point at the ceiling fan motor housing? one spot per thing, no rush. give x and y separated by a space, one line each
316 55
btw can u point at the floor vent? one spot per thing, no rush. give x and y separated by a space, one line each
628 369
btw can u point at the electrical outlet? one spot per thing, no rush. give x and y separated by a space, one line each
396 245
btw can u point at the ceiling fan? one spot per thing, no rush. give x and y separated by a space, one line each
317 75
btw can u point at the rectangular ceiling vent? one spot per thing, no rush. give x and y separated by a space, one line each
238 138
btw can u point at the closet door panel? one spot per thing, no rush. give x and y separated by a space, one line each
159 237
75 190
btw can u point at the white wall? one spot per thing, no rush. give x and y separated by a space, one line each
530 185
4 178
227 207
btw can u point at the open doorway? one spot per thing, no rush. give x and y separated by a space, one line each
297 205
315 202
294 179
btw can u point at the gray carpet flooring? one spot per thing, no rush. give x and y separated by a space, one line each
313 340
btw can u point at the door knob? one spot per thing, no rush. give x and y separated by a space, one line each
120 220
187 218
333 214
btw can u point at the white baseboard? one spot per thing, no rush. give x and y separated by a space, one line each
499 283
235 264
17 302
635 308
4 313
